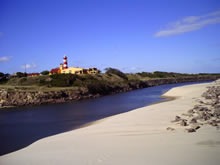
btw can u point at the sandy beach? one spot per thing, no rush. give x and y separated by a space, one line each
138 137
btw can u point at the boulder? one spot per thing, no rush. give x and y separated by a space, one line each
195 126
191 111
189 130
217 111
183 122
177 118
193 121
203 109
213 123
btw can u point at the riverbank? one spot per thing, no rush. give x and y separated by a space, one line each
137 137
14 96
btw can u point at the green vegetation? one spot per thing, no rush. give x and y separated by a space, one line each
45 72
100 83
2 74
20 74
111 71
208 74
3 78
62 80
112 79
158 74
27 81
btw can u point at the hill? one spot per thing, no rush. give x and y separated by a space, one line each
18 91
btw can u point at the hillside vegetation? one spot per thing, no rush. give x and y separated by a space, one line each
59 88
112 79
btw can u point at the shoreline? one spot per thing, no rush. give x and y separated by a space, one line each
166 99
16 98
131 138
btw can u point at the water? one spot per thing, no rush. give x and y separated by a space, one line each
20 127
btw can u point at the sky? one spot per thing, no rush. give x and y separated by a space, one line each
130 35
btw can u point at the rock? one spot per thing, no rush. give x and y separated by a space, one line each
217 111
203 109
201 115
213 123
206 112
191 111
195 126
183 123
196 107
207 116
193 121
170 129
201 102
177 118
189 130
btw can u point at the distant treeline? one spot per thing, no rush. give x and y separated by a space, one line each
158 74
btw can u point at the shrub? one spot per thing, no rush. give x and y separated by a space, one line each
117 72
158 74
62 80
45 72
3 78
20 74
2 74
22 80
98 86
44 82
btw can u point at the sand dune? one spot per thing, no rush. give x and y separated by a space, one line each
138 137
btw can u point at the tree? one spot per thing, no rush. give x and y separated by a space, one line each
2 74
117 72
20 74
45 72
4 77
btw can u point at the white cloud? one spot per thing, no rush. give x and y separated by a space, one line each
5 58
190 19
190 23
28 66
132 69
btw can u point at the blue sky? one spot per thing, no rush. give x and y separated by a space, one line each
131 35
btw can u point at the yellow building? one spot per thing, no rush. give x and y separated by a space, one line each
93 71
72 70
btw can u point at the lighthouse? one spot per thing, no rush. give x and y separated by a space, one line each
65 66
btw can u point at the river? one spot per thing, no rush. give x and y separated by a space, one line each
20 127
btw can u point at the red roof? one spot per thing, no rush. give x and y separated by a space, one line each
55 70
33 74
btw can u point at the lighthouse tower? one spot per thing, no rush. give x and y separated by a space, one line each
65 66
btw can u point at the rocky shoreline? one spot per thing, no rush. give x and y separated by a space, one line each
18 97
206 112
